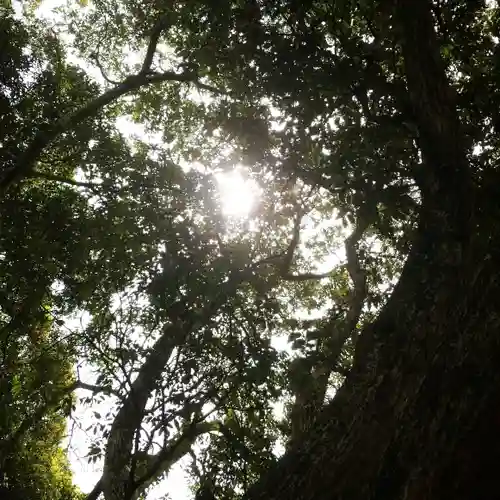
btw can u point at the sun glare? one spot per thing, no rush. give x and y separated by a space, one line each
239 194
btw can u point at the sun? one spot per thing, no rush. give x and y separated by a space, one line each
239 195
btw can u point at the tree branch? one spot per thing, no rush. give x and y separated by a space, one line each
97 388
116 478
288 256
45 136
64 180
95 57
284 261
309 394
152 45
441 139
155 465
152 466
358 278
96 491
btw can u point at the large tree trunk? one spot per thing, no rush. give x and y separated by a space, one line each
416 418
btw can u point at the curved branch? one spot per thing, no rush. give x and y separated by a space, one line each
358 278
48 134
95 57
288 256
97 388
117 480
283 262
309 395
155 465
64 180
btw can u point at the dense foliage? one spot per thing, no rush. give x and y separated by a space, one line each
128 290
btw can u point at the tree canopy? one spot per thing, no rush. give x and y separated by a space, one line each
335 340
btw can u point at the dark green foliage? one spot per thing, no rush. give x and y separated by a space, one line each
325 105
122 232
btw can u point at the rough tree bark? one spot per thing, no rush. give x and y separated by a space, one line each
417 417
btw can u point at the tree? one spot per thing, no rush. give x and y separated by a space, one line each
105 247
410 413
389 108
35 403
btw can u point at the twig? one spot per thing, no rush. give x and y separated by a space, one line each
95 57
96 388
64 180
307 276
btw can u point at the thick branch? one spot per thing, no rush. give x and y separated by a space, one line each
97 388
64 180
155 465
310 394
442 141
96 491
117 481
152 466
152 45
45 136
